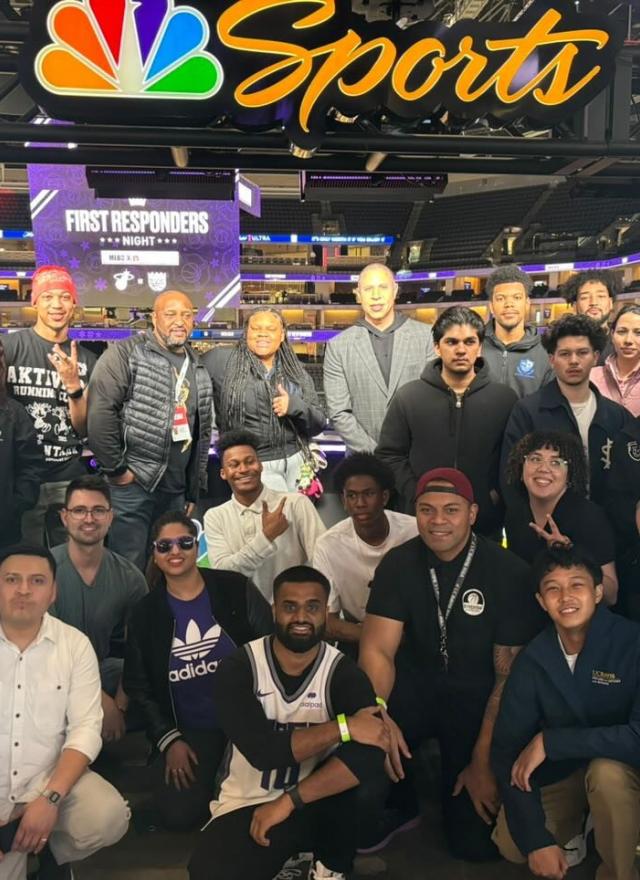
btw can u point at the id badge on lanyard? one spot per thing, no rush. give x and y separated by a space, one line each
180 431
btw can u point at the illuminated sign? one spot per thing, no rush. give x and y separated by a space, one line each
264 63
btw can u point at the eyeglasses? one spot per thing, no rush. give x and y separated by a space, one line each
83 512
536 461
184 542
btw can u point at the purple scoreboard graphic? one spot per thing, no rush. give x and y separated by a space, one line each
124 252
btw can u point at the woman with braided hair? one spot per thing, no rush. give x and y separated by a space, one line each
262 387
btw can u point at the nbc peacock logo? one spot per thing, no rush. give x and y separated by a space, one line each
128 49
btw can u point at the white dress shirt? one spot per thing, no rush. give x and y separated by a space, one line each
50 700
350 563
236 542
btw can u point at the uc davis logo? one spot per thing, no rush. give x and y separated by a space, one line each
128 49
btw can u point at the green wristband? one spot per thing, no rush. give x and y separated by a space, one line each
345 736
381 702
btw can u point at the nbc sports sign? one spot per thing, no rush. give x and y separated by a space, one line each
270 63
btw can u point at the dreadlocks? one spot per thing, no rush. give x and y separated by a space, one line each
287 370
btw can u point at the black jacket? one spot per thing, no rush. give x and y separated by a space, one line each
239 608
21 467
549 410
623 486
305 417
592 713
425 427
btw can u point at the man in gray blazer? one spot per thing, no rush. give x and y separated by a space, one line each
365 364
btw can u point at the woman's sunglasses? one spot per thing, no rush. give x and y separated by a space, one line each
184 542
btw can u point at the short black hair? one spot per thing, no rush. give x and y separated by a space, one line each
170 518
559 556
301 574
237 437
604 276
454 316
629 309
574 325
510 274
363 464
29 550
569 448
90 483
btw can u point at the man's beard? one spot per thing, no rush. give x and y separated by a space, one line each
295 643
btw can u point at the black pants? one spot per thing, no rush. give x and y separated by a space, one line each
453 718
225 850
188 809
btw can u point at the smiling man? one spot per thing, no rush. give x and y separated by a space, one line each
453 415
150 420
366 364
48 374
448 612
570 402
566 738
259 531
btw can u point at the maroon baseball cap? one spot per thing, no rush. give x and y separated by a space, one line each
460 484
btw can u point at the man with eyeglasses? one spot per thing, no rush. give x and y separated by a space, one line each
48 375
349 552
570 402
97 590
150 421
512 349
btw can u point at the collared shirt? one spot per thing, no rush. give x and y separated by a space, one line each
49 701
236 542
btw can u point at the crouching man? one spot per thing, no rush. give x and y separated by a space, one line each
566 739
304 732
50 722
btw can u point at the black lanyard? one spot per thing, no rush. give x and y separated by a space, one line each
443 618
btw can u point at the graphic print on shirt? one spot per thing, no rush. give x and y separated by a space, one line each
633 450
526 369
195 647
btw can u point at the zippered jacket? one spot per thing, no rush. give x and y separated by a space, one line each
239 608
428 425
522 365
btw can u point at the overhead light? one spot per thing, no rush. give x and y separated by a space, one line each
180 156
300 152
340 117
374 161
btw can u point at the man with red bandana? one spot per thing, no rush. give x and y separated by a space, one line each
48 374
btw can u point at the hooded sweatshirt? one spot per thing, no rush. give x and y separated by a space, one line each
522 365
427 425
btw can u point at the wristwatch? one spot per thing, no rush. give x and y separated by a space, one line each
54 797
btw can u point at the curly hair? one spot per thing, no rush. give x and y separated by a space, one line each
243 363
568 447
574 325
508 275
572 287
235 438
363 464
455 316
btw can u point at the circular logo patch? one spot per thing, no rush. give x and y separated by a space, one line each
473 603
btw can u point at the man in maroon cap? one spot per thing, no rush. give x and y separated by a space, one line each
448 612
48 374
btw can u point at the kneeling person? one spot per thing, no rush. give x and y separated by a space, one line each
50 722
304 732
566 738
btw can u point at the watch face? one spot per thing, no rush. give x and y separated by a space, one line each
53 797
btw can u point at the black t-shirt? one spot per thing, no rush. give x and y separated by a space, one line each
495 606
579 519
174 479
243 720
33 381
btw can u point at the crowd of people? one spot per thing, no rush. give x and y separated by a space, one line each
481 590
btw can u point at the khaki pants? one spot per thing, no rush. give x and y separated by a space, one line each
611 790
93 815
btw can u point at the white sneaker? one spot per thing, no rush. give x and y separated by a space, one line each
575 850
319 872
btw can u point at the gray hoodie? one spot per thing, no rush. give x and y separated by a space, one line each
523 365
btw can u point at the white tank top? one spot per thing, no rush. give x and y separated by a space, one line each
239 784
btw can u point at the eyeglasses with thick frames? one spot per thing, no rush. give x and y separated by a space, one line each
96 513
184 542
536 460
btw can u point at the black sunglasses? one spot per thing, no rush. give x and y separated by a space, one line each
184 542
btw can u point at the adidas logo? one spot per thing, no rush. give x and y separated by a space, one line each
196 645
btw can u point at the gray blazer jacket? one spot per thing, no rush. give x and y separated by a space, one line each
356 394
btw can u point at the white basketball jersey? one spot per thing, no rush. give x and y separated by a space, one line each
239 784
